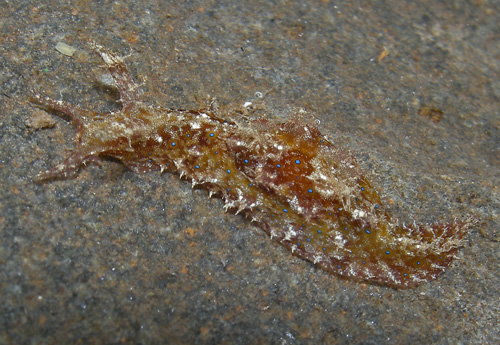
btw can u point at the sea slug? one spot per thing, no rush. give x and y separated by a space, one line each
306 193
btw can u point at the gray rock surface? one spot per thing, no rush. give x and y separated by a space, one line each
411 87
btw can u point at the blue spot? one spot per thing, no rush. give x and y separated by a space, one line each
246 161
322 141
364 262
368 231
249 185
362 188
211 134
340 208
310 190
285 210
298 244
338 266
228 171
329 213
149 153
308 240
301 228
388 252
405 274
345 228
173 144
216 152
197 166
418 262
149 160
189 135
376 206
324 249
227 189
278 165
319 231
297 161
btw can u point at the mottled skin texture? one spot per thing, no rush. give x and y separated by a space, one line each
307 194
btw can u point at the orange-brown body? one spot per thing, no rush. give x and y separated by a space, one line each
307 194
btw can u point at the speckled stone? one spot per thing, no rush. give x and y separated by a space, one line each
116 258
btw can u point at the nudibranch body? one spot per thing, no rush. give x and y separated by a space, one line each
306 193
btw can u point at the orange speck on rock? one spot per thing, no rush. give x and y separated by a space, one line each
42 320
190 231
133 39
383 54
